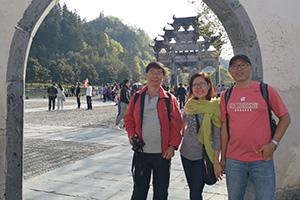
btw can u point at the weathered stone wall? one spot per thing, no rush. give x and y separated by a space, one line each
19 21
11 13
277 27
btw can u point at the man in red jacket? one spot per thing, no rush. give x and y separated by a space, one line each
149 119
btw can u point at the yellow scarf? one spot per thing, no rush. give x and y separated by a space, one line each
212 113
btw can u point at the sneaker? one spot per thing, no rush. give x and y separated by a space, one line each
118 128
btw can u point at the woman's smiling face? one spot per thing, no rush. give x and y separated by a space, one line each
200 88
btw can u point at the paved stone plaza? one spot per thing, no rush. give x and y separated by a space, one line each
68 163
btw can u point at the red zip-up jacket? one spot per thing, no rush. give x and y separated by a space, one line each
170 130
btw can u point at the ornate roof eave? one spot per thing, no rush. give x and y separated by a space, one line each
184 20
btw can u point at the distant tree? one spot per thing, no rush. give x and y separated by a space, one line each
168 76
183 78
68 74
225 77
71 30
124 73
107 74
77 72
116 47
137 72
35 72
32 70
89 71
147 56
72 49
43 75
211 27
224 63
74 57
61 72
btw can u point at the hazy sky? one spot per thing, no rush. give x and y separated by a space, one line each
149 15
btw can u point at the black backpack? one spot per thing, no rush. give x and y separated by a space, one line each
265 94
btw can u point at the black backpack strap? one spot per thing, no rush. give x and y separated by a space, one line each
265 94
168 104
227 95
135 98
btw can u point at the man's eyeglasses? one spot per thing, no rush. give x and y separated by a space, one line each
199 85
155 74
242 66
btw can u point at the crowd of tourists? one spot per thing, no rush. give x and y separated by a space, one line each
61 93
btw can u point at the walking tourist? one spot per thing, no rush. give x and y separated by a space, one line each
78 94
117 100
182 95
72 90
51 93
124 101
89 91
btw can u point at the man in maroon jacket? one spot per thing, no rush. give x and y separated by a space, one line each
150 119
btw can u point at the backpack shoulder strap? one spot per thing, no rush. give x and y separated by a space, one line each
135 98
265 93
227 96
168 104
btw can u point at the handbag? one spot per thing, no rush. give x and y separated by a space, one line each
209 173
63 97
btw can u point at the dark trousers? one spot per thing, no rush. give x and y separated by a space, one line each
89 102
144 164
104 97
119 108
194 173
78 102
52 101
181 102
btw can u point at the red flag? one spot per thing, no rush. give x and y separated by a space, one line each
86 82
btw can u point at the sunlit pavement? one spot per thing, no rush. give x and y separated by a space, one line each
105 175
69 104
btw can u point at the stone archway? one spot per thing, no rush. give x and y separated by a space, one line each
15 79
240 31
231 13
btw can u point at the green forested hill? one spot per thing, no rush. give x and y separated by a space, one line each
67 49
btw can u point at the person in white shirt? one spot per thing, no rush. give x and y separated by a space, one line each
60 97
89 91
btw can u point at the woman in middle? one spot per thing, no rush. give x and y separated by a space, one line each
202 107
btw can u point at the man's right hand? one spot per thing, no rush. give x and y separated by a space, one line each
130 140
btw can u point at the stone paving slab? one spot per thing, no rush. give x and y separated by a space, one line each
44 155
104 175
70 104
